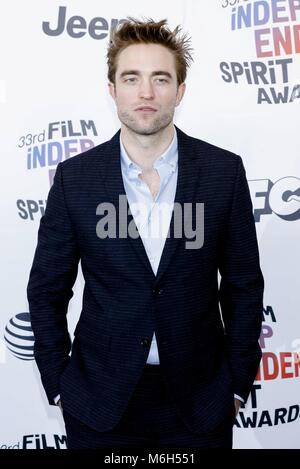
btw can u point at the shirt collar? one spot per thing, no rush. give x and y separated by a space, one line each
168 159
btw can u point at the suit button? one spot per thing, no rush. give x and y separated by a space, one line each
157 291
145 342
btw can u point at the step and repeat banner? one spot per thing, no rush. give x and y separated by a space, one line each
243 94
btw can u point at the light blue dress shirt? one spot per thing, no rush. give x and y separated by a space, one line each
152 216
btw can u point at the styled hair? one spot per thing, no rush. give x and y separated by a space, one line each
134 31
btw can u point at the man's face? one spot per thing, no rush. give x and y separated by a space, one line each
145 90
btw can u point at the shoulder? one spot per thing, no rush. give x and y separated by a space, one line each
77 170
78 162
210 154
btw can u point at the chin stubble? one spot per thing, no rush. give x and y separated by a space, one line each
152 127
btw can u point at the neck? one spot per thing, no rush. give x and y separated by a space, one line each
145 149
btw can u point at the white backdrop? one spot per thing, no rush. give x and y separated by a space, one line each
243 93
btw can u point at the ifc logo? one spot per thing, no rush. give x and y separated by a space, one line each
19 337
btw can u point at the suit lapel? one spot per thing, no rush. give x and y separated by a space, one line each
107 168
188 169
105 172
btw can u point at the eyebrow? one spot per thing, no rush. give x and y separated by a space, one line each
153 74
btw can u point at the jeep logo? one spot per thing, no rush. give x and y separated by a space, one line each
77 26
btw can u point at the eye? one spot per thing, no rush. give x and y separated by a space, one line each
162 80
130 80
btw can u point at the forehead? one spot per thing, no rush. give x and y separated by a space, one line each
146 57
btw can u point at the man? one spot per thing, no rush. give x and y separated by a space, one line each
155 360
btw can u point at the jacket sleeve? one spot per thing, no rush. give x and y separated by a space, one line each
241 288
49 290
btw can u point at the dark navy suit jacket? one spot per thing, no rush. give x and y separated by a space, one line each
207 332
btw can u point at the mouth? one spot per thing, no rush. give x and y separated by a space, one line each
146 109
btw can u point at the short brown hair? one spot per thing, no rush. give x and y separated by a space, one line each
133 31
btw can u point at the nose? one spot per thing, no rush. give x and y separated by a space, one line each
146 89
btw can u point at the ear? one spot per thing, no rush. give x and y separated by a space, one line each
112 90
180 93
